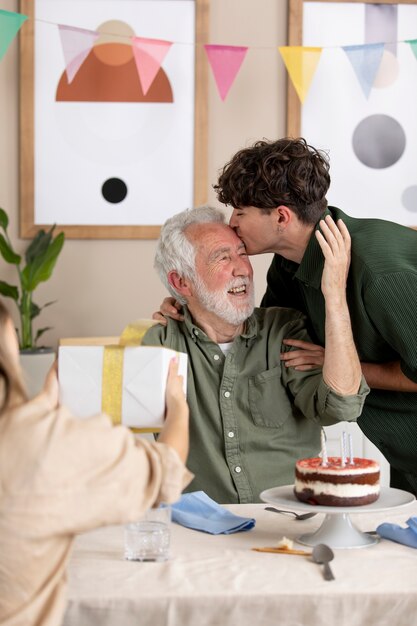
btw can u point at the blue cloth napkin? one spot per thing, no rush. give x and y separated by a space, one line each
196 510
407 536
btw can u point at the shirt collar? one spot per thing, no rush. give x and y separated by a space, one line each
310 270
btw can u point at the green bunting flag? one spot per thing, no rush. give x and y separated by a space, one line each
413 45
9 27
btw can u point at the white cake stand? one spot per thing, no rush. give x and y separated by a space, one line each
337 529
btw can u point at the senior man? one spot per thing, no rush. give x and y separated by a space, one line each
251 416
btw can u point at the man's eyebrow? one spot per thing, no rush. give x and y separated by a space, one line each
217 253
225 250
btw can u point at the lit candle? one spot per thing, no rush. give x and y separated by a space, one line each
324 460
350 449
343 449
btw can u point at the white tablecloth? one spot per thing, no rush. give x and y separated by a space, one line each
219 580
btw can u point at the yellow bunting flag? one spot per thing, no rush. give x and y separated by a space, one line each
301 63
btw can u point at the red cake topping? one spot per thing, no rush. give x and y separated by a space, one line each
334 462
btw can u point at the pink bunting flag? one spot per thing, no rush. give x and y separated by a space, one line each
225 62
149 54
76 45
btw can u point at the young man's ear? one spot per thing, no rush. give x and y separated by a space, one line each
179 283
283 216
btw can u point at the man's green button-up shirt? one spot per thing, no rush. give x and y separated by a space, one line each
251 417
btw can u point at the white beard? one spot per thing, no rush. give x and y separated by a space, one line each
219 303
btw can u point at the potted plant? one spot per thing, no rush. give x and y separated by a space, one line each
34 267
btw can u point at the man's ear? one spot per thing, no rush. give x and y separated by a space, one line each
284 216
179 283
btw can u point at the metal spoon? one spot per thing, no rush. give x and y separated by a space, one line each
297 516
322 554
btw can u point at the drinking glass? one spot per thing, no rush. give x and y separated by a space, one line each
148 538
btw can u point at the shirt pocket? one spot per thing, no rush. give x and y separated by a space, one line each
268 401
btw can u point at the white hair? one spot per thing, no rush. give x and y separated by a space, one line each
174 251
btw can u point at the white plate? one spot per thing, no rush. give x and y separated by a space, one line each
389 498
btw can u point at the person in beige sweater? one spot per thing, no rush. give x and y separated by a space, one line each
60 476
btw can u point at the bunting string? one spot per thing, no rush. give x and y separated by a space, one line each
301 62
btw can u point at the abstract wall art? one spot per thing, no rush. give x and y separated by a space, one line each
112 106
360 104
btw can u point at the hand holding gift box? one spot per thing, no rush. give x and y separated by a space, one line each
124 380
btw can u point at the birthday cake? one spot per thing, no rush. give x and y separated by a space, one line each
336 484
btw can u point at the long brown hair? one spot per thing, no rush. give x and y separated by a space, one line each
11 382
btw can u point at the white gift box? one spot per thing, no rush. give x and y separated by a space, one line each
143 382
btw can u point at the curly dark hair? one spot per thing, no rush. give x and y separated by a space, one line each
271 173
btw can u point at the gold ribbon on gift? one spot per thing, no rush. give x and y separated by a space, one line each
112 379
134 332
112 382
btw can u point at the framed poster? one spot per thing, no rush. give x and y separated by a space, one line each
101 155
371 138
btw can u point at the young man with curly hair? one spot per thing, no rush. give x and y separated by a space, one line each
278 193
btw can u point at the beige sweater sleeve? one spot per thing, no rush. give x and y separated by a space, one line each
78 474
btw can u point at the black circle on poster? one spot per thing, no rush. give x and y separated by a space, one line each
114 190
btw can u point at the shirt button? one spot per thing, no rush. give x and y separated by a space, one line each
231 434
195 331
238 469
216 357
227 394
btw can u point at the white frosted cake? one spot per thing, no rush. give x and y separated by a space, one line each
334 484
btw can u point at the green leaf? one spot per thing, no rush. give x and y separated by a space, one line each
9 291
8 254
48 303
40 332
39 245
4 220
29 310
34 310
42 266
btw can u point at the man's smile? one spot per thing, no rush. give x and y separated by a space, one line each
237 290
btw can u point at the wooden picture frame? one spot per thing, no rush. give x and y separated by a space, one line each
28 223
371 138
